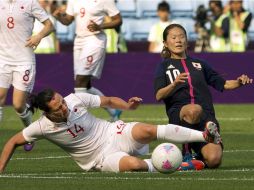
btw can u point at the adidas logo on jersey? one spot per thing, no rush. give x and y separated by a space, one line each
197 65
171 67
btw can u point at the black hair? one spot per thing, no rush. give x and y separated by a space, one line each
165 52
217 3
41 100
163 6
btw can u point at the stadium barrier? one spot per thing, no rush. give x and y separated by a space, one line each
132 74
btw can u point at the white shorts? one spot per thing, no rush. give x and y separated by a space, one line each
120 144
89 61
22 77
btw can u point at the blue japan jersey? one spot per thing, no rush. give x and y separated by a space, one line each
195 89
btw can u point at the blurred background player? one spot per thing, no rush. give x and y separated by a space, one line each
17 59
96 144
155 34
183 84
240 20
50 43
115 40
90 40
219 33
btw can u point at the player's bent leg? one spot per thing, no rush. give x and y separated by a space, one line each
82 81
212 154
190 116
144 133
191 113
131 163
3 95
19 100
19 103
121 162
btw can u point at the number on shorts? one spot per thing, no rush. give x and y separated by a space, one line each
90 61
26 76
78 129
82 12
10 22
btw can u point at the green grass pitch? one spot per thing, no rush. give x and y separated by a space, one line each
48 167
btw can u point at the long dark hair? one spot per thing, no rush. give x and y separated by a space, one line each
41 100
165 51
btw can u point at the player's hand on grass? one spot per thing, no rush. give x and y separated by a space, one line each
244 79
181 78
134 102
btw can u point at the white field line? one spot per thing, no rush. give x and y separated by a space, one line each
24 176
61 157
133 173
41 158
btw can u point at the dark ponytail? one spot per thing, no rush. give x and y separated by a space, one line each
166 52
41 100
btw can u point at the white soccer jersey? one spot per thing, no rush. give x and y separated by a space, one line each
86 11
16 26
82 136
92 10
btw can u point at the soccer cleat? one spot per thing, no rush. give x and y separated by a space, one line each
116 115
29 146
211 133
192 165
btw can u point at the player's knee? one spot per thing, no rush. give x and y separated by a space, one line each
193 114
82 81
19 107
134 164
150 132
213 161
2 99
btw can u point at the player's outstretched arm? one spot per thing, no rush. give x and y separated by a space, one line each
240 81
118 103
9 148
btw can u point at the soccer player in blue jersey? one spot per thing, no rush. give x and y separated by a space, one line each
182 82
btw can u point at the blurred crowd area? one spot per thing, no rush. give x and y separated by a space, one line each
226 26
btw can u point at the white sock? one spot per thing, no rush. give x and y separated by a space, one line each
150 165
178 134
26 117
80 90
1 113
96 91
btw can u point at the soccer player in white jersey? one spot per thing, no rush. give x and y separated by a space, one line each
95 143
90 40
17 60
